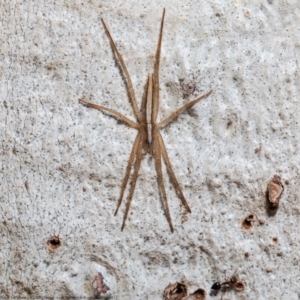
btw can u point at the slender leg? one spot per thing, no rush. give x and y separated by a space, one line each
137 165
180 110
111 111
171 172
128 169
128 79
156 72
157 157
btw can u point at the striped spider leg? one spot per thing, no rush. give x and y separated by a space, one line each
148 138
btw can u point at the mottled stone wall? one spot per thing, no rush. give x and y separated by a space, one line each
62 164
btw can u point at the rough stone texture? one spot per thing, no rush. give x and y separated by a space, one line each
63 164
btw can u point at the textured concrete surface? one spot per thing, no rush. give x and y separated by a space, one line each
63 163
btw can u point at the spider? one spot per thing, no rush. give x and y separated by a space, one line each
148 139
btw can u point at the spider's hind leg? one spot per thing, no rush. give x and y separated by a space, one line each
157 156
139 154
171 172
133 154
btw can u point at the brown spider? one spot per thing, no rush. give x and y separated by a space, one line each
148 139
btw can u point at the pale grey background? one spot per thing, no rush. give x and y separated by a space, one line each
74 158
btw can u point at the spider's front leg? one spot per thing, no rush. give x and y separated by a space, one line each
112 112
182 109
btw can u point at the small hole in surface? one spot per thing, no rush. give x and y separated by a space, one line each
240 286
248 222
53 243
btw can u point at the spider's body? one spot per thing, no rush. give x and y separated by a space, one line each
148 138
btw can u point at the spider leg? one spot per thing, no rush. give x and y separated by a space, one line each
137 164
128 169
171 172
180 110
127 76
157 157
111 111
155 100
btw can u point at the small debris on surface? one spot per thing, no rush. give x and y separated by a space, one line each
197 295
175 291
248 222
98 286
258 150
274 191
26 185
